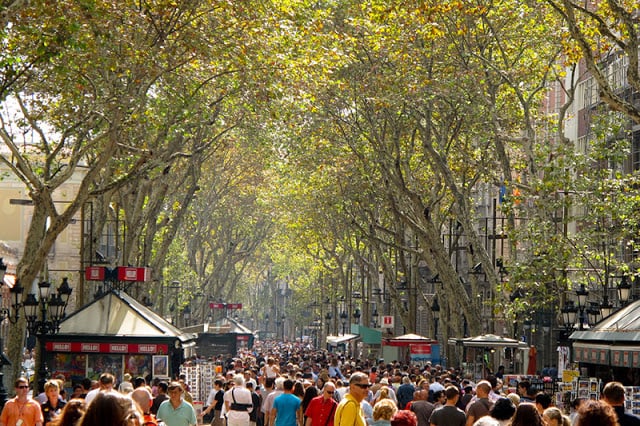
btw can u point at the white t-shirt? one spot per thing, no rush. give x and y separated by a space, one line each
94 392
241 396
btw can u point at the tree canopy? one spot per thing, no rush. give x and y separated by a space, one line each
327 148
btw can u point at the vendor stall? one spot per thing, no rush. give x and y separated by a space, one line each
411 348
116 334
484 353
342 343
224 337
610 350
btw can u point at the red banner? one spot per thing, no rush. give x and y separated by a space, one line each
122 348
420 349
126 273
122 273
94 273
218 305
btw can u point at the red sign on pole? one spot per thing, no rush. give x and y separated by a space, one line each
219 305
234 305
388 321
126 273
94 273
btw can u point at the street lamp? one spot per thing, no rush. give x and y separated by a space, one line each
569 313
44 315
435 310
582 294
375 317
328 317
186 314
343 319
624 290
356 315
594 312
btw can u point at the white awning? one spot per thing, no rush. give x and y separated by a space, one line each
488 341
343 338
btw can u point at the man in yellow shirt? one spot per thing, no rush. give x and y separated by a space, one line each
349 411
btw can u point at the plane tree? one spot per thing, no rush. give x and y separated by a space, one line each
81 111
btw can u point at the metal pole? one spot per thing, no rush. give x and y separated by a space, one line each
3 361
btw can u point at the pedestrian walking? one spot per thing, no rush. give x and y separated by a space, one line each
71 413
349 411
614 394
21 410
321 409
238 403
286 407
449 414
214 404
422 407
176 411
53 406
111 408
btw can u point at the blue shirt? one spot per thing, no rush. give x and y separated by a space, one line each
286 406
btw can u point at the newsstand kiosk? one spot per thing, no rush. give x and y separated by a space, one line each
116 334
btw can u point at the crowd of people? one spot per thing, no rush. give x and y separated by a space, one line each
310 389
100 403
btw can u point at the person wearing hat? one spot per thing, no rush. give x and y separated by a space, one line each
125 386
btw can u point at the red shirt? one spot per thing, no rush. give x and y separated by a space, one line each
320 410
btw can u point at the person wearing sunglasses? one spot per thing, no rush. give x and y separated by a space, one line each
21 410
349 411
322 408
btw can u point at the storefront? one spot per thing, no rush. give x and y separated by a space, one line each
116 334
610 350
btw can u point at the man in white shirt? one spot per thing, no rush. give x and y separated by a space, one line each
106 383
238 403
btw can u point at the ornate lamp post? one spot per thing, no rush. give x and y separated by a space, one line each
435 310
343 319
594 312
186 314
624 290
356 315
582 294
328 317
44 314
375 317
569 313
